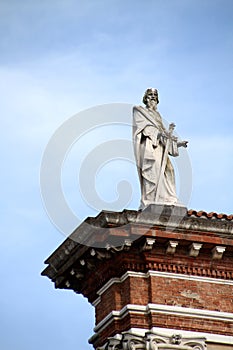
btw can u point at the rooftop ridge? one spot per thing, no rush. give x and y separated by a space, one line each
210 215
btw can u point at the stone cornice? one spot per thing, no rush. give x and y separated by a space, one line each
162 238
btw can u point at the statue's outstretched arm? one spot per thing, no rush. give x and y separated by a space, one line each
182 144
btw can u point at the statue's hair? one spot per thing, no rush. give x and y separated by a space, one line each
146 92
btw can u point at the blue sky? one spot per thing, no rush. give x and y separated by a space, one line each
61 57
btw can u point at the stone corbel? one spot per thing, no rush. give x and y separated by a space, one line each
217 252
194 249
77 273
100 254
67 284
171 247
148 245
82 262
87 263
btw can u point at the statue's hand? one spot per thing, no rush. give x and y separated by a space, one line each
182 144
163 137
166 134
174 138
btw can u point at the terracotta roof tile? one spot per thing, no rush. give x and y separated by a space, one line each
202 213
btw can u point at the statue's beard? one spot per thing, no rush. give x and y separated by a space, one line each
152 104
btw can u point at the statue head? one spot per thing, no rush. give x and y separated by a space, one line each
150 94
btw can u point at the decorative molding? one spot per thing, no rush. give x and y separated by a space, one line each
210 337
153 341
117 315
193 221
203 227
120 280
190 312
151 273
96 302
163 309
190 277
131 342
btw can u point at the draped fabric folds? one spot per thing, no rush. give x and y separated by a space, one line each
149 151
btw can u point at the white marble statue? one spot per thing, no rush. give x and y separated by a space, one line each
152 145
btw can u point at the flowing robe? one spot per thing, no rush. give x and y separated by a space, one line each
149 152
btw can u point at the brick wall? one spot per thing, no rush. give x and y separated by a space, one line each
166 291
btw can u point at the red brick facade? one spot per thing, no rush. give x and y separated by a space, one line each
166 291
157 278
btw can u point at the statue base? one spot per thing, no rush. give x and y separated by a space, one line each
166 209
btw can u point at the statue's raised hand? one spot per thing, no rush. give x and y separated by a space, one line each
182 144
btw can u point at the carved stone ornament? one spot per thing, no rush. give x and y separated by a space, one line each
176 341
153 341
132 342
114 344
152 146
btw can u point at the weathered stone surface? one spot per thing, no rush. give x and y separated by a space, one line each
152 146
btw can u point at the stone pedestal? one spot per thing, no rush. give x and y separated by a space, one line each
158 279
